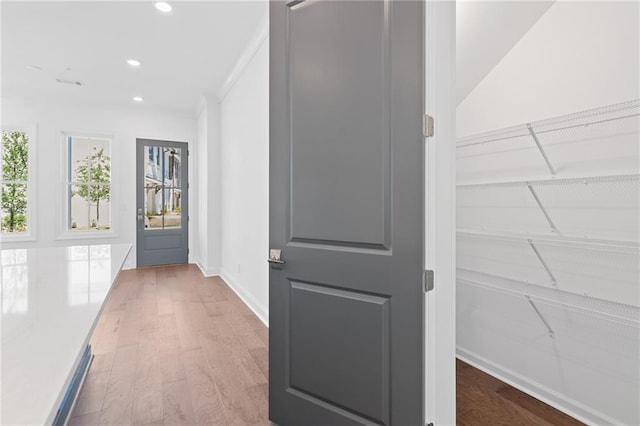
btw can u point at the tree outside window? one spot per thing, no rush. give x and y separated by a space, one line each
15 174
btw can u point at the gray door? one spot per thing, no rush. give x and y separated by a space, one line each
346 211
162 202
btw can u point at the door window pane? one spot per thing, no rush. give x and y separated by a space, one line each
162 188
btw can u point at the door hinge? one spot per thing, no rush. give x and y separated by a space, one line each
428 126
428 280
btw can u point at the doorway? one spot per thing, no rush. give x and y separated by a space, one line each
162 200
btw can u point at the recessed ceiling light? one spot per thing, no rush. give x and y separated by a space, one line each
133 62
163 6
137 99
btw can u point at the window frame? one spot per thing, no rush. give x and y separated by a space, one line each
30 235
65 225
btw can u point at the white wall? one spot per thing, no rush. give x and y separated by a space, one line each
244 120
124 125
207 239
578 56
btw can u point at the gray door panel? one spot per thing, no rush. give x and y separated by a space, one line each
162 202
346 209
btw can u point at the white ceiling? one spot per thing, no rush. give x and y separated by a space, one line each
184 54
193 49
485 32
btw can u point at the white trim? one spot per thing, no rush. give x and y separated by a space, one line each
207 272
32 185
200 106
440 213
244 59
550 397
246 297
85 235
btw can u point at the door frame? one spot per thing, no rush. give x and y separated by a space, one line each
440 213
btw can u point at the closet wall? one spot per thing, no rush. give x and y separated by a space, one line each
548 214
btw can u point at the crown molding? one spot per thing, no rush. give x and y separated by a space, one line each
244 59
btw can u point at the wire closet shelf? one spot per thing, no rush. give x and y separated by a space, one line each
556 195
584 121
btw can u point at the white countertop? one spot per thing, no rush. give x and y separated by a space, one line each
51 300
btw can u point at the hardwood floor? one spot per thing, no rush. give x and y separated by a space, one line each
484 400
175 348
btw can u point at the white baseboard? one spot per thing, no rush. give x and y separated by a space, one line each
207 272
548 396
246 297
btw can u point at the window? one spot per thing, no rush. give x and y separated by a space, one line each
15 218
88 184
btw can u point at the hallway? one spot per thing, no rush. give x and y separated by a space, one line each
173 347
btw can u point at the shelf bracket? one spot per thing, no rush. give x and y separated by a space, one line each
541 149
544 211
554 282
535 308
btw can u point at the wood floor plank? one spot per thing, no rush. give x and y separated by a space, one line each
125 360
148 407
85 419
106 338
169 339
176 403
130 324
198 316
172 366
147 373
118 401
93 393
187 334
102 361
247 334
207 404
543 411
222 355
261 358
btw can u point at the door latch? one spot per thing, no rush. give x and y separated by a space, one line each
428 126
428 280
274 257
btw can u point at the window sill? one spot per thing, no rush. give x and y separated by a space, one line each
23 238
86 235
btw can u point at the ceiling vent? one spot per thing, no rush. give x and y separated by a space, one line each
71 82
